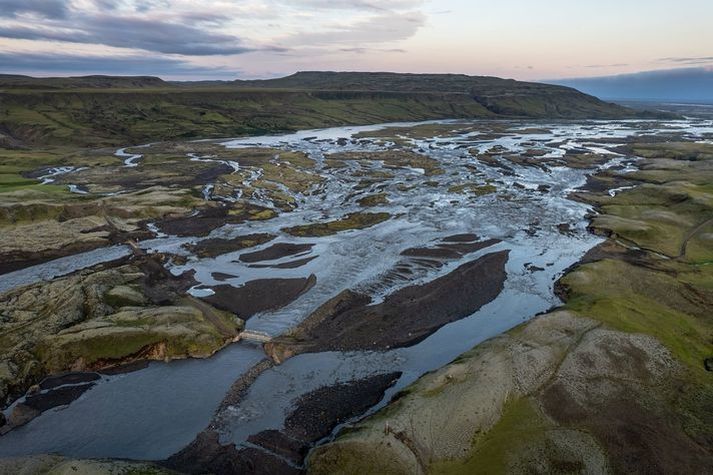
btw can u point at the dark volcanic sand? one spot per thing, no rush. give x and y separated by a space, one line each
348 322
218 246
68 378
287 265
36 404
314 417
276 251
205 221
461 238
259 295
199 225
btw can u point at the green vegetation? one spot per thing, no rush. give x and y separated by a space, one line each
520 427
674 150
374 200
350 221
476 190
98 111
671 302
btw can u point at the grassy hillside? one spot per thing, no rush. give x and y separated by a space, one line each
101 110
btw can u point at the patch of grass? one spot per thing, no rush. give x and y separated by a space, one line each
373 200
674 150
348 222
519 426
641 300
657 217
294 179
477 190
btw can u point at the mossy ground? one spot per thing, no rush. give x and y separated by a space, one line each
373 200
520 425
350 221
473 189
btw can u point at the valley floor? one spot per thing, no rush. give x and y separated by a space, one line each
381 284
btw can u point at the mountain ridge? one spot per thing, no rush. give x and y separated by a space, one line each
116 110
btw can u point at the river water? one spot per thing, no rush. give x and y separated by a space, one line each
154 412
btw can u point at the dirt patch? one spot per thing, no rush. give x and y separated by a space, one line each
68 378
317 413
259 295
206 453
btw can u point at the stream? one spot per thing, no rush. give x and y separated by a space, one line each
154 412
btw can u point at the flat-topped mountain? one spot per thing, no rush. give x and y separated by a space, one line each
109 110
402 82
95 81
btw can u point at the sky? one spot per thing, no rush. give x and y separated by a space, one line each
223 39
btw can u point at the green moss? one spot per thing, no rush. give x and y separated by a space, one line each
477 190
641 300
374 200
674 150
519 427
348 222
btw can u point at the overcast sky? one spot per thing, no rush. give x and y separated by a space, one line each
191 39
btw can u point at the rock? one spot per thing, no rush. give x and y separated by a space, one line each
104 316
124 296
22 414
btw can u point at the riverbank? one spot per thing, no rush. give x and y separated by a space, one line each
486 200
619 379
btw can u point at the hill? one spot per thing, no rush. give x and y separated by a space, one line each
13 81
105 110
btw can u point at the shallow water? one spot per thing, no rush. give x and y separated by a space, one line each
154 412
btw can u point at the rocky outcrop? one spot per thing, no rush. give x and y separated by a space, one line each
101 317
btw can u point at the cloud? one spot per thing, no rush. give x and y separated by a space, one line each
137 33
687 60
376 29
211 32
26 63
364 5
615 65
371 50
43 8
